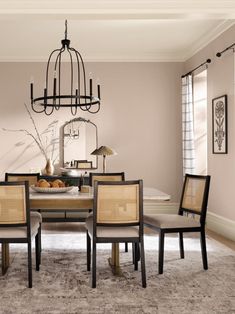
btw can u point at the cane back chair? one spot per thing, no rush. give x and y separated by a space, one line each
17 224
193 204
109 176
117 217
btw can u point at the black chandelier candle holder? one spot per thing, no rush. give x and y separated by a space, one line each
77 97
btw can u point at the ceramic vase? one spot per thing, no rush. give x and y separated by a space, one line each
49 169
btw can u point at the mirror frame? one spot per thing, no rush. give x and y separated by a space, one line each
63 136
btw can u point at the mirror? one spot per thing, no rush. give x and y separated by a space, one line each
80 139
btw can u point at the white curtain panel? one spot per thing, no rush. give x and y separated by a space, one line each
188 125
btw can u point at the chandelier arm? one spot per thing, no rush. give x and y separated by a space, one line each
83 70
37 111
71 77
48 65
78 90
59 76
78 55
98 108
48 113
58 61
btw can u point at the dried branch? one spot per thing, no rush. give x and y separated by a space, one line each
42 142
33 137
31 118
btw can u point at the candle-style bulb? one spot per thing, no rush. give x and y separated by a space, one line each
31 91
98 90
90 87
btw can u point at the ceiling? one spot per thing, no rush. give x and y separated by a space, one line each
112 30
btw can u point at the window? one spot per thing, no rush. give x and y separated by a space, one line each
200 121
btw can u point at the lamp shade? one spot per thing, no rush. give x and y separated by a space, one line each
104 150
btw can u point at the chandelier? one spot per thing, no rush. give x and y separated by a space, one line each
77 95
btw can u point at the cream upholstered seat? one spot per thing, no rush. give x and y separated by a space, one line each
17 224
193 201
170 221
111 232
117 217
21 232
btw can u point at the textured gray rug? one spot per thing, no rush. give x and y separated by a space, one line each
63 284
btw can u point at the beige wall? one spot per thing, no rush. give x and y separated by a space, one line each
220 82
140 118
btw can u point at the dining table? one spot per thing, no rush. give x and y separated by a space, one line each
74 200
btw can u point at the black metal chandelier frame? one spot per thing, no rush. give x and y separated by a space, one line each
86 101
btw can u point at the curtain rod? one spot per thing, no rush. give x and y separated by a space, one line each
219 54
190 72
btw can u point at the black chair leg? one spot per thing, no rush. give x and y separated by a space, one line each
40 242
88 251
40 239
37 252
93 265
30 264
181 243
136 256
161 252
142 259
203 249
133 253
126 246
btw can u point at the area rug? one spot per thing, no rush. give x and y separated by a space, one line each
63 283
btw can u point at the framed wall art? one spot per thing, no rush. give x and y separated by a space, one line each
219 125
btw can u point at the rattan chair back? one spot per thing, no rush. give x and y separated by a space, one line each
118 204
32 178
12 204
119 176
195 195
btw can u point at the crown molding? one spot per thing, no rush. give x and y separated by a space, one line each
167 57
208 38
119 9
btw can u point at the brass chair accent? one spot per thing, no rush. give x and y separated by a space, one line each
193 201
32 178
17 224
117 217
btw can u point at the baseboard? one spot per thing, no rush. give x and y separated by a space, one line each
221 225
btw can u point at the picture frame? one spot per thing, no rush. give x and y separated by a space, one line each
219 125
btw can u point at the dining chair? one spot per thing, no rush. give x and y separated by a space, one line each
191 217
117 217
109 176
17 223
32 178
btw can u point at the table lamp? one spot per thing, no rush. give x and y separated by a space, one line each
104 151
